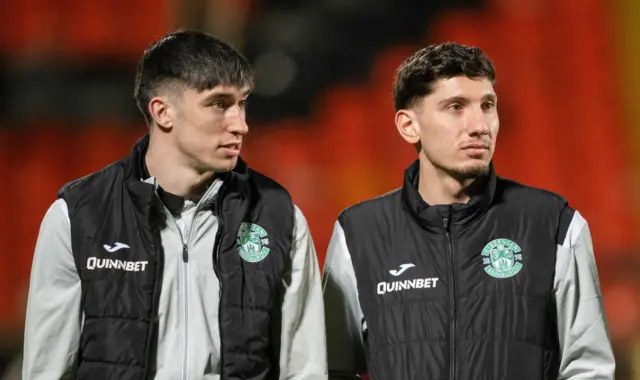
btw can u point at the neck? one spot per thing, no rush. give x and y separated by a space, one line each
437 187
172 171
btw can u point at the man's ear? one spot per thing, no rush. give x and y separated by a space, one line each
159 111
407 126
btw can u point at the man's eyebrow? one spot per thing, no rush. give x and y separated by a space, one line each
454 99
490 96
226 95
464 100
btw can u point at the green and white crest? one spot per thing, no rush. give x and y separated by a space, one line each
503 257
252 242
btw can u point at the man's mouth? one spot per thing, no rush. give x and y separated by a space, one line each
232 148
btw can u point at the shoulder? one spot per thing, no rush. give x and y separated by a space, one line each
301 230
266 184
299 218
77 192
57 214
516 189
116 169
513 191
544 207
384 204
572 227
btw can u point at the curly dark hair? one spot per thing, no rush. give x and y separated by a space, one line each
417 74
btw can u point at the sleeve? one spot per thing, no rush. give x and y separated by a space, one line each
303 342
343 315
52 327
585 347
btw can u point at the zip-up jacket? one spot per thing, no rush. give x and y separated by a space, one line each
129 282
502 287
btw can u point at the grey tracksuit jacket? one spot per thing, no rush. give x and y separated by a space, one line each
189 336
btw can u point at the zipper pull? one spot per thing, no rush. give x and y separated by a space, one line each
185 253
446 221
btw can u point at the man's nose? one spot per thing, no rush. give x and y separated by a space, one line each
477 124
237 121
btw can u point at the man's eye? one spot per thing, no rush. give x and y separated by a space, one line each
488 105
456 107
218 104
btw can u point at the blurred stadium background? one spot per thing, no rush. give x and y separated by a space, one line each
322 119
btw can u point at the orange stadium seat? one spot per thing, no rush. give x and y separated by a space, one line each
75 29
90 27
114 29
32 26
34 183
142 22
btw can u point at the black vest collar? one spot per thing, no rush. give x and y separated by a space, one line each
136 172
457 213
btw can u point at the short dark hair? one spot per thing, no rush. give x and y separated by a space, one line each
417 74
192 59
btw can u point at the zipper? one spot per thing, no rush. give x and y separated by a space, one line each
452 300
159 272
185 310
185 286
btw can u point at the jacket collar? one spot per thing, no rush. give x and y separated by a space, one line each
457 213
136 173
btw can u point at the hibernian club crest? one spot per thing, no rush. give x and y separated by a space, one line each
503 257
252 242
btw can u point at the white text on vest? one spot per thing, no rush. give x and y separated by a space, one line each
418 283
130 266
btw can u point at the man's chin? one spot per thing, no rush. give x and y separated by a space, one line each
470 171
230 163
224 165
